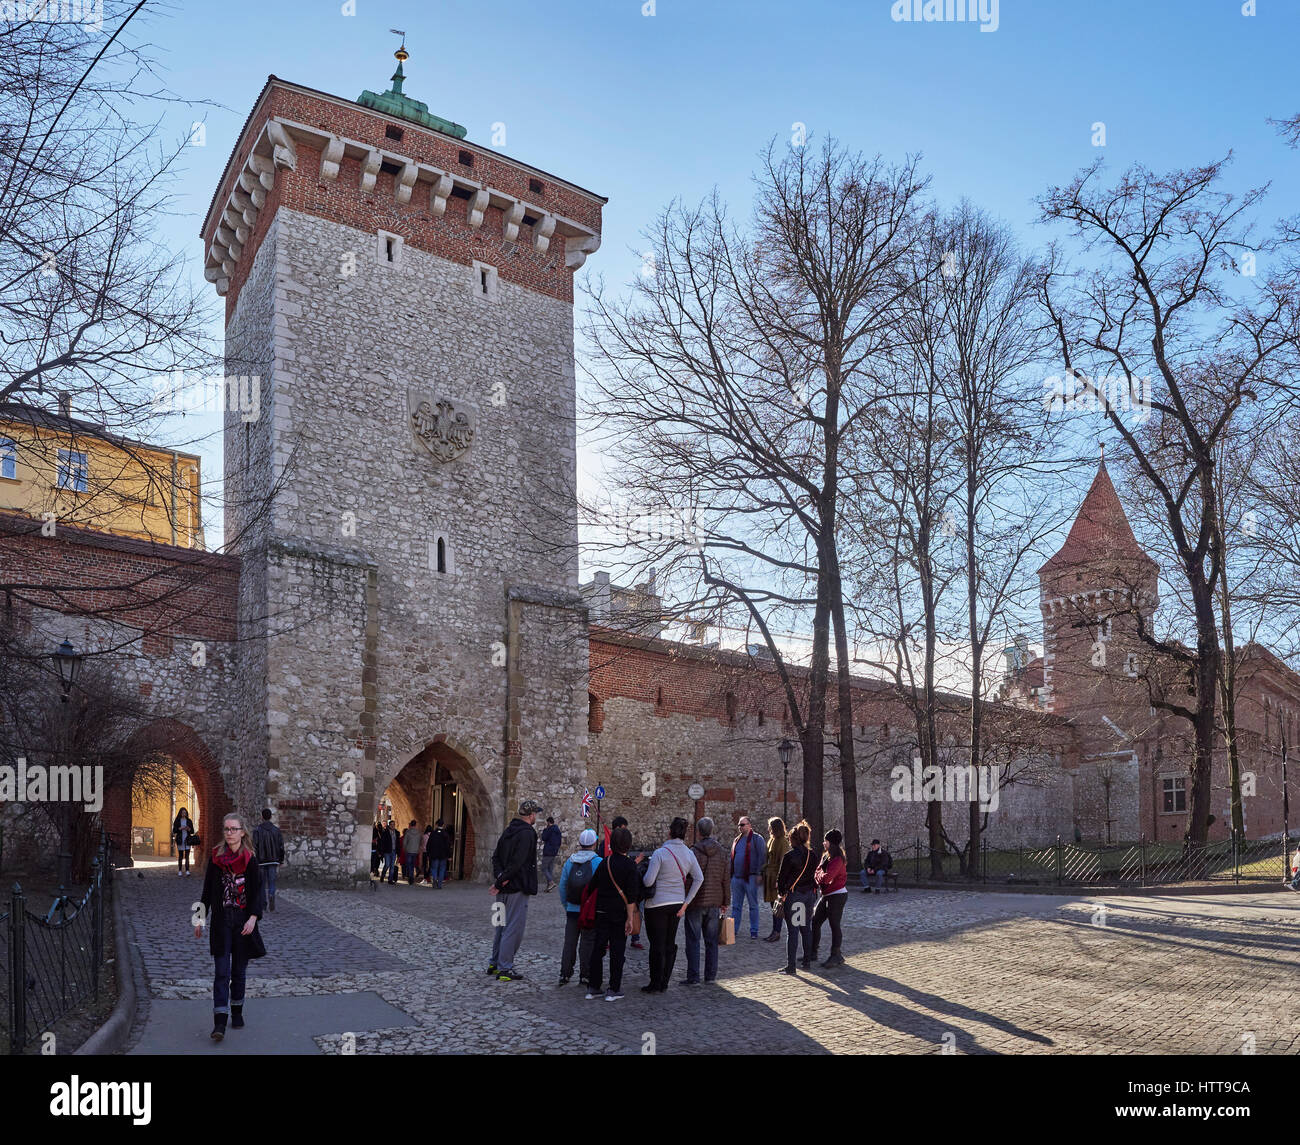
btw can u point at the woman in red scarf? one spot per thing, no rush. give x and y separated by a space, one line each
232 892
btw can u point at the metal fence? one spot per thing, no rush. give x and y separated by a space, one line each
1143 863
51 962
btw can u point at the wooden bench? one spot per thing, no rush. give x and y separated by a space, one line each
891 882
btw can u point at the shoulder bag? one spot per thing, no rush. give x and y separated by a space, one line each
778 907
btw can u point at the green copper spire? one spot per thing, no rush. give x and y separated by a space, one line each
393 102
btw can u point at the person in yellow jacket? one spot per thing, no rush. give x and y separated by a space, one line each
778 843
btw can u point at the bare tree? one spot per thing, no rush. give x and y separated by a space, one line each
728 389
1172 296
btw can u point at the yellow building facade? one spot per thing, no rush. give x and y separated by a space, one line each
84 476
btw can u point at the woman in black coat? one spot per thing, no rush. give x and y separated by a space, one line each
183 836
232 893
798 886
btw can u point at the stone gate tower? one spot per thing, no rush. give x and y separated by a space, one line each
404 501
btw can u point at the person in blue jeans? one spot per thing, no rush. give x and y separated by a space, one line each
748 854
874 865
704 915
439 851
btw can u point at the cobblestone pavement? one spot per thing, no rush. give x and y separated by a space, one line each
927 971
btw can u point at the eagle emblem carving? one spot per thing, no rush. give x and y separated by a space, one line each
439 426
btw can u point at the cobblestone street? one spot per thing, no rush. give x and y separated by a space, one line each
927 970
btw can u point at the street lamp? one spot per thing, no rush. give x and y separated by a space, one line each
68 662
785 749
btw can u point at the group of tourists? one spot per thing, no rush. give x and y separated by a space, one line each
423 854
610 897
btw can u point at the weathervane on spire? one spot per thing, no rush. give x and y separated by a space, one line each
401 55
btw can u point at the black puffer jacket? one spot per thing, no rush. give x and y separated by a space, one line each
514 862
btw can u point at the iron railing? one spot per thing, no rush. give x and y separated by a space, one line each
1143 863
51 963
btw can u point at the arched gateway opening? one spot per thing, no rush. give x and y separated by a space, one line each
441 782
175 769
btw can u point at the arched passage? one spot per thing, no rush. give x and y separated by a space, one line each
442 781
170 747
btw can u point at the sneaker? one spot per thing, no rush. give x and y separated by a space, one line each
180 874
636 944
590 995
509 976
835 959
612 997
754 935
690 982
565 981
491 970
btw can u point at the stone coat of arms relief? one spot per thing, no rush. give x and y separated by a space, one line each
442 428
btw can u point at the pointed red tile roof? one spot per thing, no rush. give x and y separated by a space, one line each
1100 532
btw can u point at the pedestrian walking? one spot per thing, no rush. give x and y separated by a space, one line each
232 893
748 854
439 851
832 879
797 886
410 852
422 860
704 915
514 870
268 846
377 832
385 845
395 849
551 840
183 834
778 843
575 876
617 885
674 873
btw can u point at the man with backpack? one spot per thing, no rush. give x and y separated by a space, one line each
575 877
874 865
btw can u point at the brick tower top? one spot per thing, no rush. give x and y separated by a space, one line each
1100 552
384 163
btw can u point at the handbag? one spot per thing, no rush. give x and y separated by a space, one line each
194 841
778 907
727 934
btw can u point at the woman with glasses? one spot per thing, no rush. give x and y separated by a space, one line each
232 893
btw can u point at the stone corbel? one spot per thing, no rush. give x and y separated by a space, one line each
228 240
576 250
370 171
330 159
244 205
249 181
513 215
542 233
405 181
265 170
227 266
438 198
475 207
285 154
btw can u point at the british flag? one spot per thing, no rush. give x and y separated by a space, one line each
586 803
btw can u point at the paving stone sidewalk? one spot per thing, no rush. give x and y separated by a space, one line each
928 972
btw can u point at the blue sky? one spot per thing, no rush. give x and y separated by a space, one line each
644 109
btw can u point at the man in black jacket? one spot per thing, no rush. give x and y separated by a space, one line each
439 851
514 870
268 845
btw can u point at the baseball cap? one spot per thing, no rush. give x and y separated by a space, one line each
529 807
587 838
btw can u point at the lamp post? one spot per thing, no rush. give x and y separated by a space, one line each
68 662
785 749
